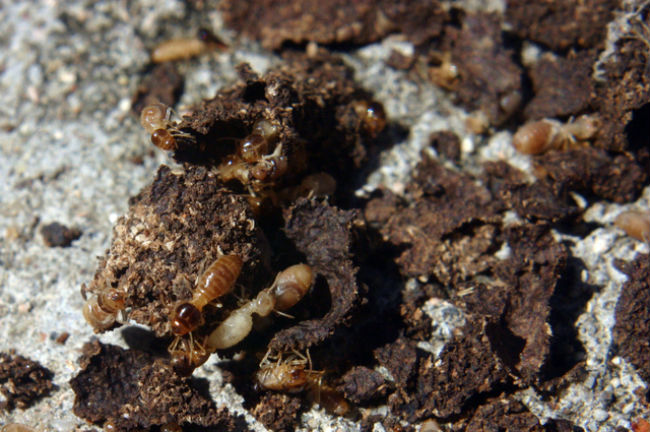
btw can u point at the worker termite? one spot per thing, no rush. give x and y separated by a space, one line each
156 119
100 311
185 48
289 287
291 374
543 135
635 223
217 280
294 374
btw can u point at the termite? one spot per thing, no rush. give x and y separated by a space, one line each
185 48
217 280
635 223
289 287
543 135
101 310
295 374
291 374
372 117
156 119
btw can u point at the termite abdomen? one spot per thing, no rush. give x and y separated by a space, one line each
217 280
291 285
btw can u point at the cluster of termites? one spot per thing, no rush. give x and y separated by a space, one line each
257 159
101 310
543 135
288 288
156 119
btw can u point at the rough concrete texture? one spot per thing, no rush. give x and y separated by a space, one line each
71 152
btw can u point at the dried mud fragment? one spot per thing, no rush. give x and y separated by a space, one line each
632 328
174 228
278 22
532 201
489 78
592 171
624 98
324 234
163 83
559 24
278 411
563 86
448 229
311 100
531 273
427 386
501 414
22 381
132 389
58 235
361 385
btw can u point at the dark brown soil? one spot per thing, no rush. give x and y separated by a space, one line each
58 235
22 381
131 389
632 329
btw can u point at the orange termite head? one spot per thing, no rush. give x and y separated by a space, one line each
291 285
372 117
186 319
163 139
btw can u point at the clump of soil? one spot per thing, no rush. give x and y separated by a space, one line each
131 389
22 381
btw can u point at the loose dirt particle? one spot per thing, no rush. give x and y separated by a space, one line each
58 235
